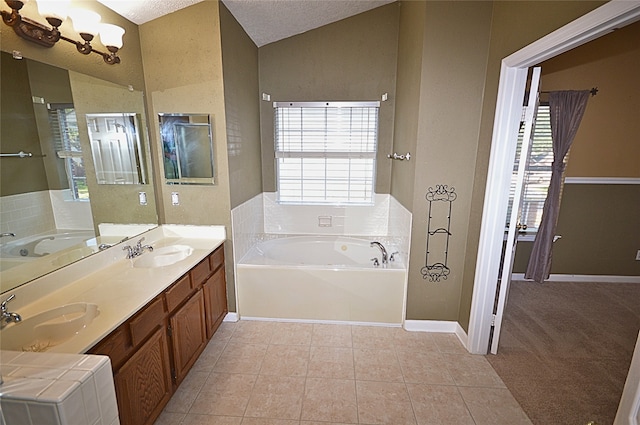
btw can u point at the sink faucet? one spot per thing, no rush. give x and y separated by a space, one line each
137 250
7 317
385 259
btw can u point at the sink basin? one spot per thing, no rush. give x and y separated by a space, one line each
49 328
164 256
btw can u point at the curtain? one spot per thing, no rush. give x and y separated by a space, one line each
566 110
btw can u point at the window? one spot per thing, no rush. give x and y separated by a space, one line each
64 126
326 152
538 175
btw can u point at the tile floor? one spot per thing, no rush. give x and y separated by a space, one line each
277 373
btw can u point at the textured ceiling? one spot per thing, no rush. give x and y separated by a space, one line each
265 21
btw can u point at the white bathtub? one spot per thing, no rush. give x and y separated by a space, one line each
324 278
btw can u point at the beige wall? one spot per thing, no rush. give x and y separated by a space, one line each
183 74
454 58
409 71
242 109
353 59
606 144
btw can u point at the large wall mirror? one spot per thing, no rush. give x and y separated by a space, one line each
68 190
187 148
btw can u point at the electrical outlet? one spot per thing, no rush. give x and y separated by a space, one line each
638 255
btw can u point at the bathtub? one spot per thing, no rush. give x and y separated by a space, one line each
320 278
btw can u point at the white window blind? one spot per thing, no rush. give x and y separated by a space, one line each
325 151
538 175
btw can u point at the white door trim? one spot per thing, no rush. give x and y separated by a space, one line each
612 15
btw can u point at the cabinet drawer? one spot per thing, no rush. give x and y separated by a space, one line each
216 259
178 292
146 321
200 273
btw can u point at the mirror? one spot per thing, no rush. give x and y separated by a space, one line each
187 146
115 148
54 207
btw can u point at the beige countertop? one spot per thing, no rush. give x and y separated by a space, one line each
112 282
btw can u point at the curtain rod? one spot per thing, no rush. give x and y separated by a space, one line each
593 91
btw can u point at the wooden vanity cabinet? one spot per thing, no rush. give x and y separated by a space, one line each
152 352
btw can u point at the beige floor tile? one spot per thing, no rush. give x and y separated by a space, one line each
377 365
448 343
277 397
266 421
224 394
210 355
330 400
241 358
286 333
470 370
285 360
438 405
384 403
379 337
225 331
169 418
424 367
493 406
331 362
331 335
187 392
253 332
191 419
321 423
415 341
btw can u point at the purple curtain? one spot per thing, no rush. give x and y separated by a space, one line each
566 109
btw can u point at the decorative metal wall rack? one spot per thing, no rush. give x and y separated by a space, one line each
438 232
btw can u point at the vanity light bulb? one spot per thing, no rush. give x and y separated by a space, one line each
111 35
58 9
85 21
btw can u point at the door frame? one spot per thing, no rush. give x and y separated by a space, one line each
513 74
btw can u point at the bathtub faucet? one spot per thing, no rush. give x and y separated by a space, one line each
383 251
2 235
7 317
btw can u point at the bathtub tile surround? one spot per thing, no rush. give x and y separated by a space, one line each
54 389
353 375
26 214
320 286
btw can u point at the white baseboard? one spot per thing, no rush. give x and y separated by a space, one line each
231 317
437 326
583 278
319 321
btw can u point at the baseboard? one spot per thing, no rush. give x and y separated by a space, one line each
583 278
320 321
437 326
231 317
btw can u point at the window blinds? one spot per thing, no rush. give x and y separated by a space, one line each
325 151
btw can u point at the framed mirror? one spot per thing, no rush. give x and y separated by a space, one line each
187 146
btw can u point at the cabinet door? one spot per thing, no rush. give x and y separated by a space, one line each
143 383
188 334
215 300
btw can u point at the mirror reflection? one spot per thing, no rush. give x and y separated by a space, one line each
115 148
53 209
187 145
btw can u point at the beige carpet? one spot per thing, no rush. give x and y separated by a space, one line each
566 347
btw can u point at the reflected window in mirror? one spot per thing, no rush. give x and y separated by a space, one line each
187 145
116 148
66 140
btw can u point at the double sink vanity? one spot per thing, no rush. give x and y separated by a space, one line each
152 314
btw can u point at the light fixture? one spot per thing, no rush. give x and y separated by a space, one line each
85 22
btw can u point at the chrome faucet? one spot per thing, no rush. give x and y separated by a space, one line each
383 251
137 250
2 235
7 317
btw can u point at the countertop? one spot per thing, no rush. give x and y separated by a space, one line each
112 282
